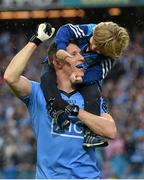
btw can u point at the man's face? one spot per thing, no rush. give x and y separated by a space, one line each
75 51
77 58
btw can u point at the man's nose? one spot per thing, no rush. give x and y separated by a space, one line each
81 58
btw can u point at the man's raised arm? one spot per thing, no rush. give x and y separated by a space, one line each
13 74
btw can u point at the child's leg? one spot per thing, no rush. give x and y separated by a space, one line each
58 108
52 95
91 95
50 90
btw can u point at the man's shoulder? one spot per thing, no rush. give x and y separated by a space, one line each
36 94
35 83
35 89
35 86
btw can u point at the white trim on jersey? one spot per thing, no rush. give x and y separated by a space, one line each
68 135
106 66
77 31
110 63
103 70
73 31
83 34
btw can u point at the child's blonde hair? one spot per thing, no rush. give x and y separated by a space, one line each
110 39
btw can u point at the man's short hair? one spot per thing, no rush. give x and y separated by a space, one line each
52 53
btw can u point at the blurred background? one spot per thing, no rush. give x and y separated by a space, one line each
123 87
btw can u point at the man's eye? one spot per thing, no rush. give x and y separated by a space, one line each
74 54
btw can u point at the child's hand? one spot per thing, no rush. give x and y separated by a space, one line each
62 54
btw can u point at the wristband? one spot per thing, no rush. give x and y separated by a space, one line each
35 40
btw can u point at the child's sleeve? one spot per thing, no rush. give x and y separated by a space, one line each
69 32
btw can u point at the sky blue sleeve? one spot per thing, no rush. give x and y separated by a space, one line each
69 32
36 105
28 99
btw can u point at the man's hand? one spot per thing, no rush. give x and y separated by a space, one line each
45 31
61 116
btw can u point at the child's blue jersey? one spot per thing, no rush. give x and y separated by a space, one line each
60 154
96 65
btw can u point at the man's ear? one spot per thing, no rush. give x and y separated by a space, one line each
58 63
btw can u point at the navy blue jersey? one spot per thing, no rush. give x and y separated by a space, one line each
68 32
96 65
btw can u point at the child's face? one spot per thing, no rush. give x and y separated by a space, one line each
93 47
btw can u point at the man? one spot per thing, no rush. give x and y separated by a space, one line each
101 45
60 154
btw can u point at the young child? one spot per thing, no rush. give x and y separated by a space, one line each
101 45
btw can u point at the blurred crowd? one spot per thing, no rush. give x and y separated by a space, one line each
124 91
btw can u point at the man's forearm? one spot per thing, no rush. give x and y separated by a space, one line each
103 125
19 62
